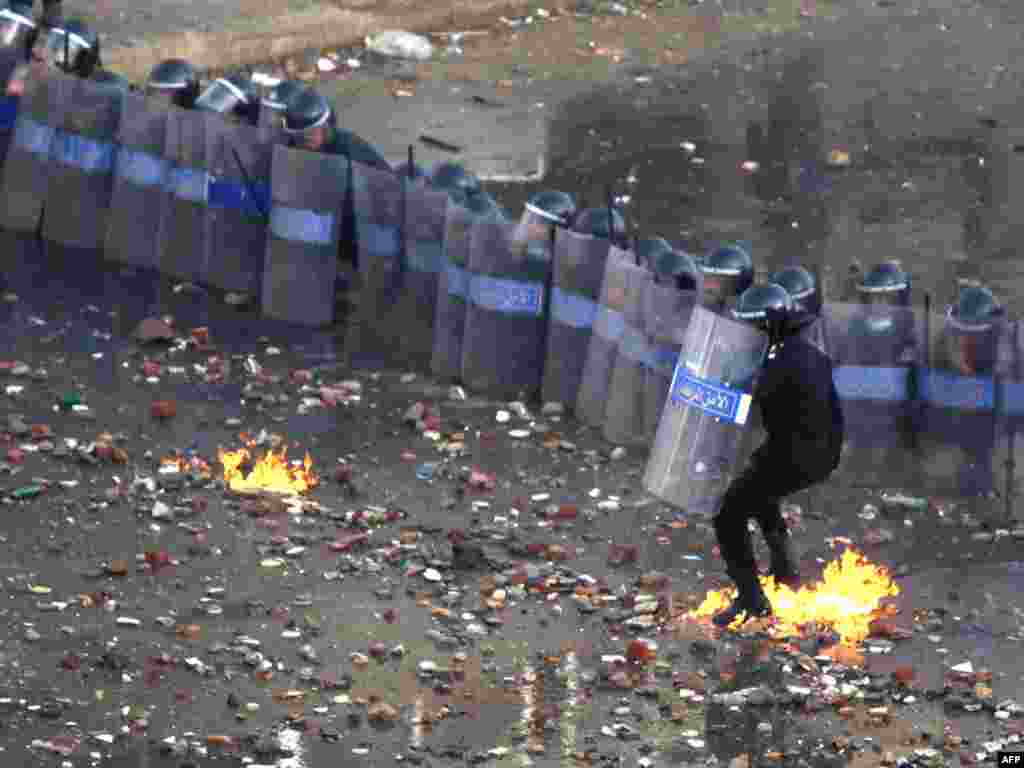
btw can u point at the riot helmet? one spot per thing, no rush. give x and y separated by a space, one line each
883 291
17 29
543 214
803 290
280 96
308 120
459 183
112 80
973 324
667 264
72 48
599 222
174 82
233 95
728 271
885 284
768 306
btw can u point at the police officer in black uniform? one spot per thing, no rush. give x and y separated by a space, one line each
667 265
233 96
174 82
802 416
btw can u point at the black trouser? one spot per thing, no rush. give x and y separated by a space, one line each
756 494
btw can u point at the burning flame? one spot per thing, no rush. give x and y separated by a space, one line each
271 473
847 599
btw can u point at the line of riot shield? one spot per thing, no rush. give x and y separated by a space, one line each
960 417
579 267
140 173
502 350
878 356
624 421
308 194
27 165
81 180
238 205
453 293
181 246
667 313
416 310
373 338
704 429
1010 413
609 325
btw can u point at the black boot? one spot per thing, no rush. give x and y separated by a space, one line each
750 600
785 568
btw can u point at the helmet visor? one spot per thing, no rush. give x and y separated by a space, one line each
14 28
62 48
221 96
533 233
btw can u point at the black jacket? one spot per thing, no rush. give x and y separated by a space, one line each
800 411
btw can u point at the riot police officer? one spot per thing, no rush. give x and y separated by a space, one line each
174 82
606 223
233 96
71 47
668 265
801 414
459 183
277 99
310 123
969 348
112 79
727 272
803 290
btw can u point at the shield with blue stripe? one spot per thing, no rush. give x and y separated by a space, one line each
238 205
82 154
182 244
704 433
375 332
666 317
625 421
609 326
308 193
140 173
416 309
452 292
502 353
579 267
27 165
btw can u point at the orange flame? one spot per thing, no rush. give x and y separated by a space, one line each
847 599
271 473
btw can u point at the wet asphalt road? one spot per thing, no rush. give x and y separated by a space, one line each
88 675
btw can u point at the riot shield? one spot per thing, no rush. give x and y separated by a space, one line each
609 324
139 176
181 246
238 207
959 425
576 291
9 60
308 193
452 293
877 366
81 180
27 166
271 125
624 411
666 316
373 338
416 310
700 438
505 324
